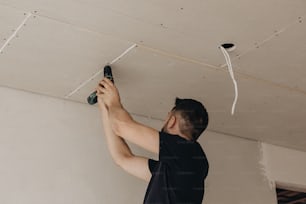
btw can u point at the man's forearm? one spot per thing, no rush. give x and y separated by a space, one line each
127 128
117 146
118 117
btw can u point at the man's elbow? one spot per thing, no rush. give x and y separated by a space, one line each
120 127
117 130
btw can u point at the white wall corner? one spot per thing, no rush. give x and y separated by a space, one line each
286 167
264 167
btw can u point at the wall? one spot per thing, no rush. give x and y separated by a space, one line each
237 175
52 151
286 167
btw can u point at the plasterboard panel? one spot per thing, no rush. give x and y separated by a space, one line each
192 30
9 20
54 58
281 60
149 82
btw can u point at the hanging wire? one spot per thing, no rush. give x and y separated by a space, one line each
230 69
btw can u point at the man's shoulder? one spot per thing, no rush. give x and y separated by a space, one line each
181 146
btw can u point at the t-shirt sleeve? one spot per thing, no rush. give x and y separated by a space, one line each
152 165
170 147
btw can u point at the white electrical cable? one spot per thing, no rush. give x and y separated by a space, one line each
230 69
100 71
15 32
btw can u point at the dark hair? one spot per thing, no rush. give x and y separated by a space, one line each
195 117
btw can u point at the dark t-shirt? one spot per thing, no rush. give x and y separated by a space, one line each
178 177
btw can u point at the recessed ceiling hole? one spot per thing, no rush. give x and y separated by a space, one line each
229 46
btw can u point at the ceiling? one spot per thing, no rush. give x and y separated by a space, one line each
64 45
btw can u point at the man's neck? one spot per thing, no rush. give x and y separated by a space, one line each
173 132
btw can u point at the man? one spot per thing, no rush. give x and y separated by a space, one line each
178 176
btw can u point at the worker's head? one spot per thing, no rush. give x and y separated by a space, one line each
188 118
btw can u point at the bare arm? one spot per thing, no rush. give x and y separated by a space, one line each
120 151
123 124
127 128
118 148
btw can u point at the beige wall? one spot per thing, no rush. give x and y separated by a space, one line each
286 167
236 175
53 152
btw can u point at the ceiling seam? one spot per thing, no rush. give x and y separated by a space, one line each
182 58
84 83
155 50
14 34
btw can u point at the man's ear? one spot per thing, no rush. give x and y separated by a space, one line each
172 121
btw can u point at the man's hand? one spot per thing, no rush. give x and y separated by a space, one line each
108 92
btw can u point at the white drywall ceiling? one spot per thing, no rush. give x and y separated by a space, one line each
67 42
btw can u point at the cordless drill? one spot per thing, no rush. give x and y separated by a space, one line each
92 98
